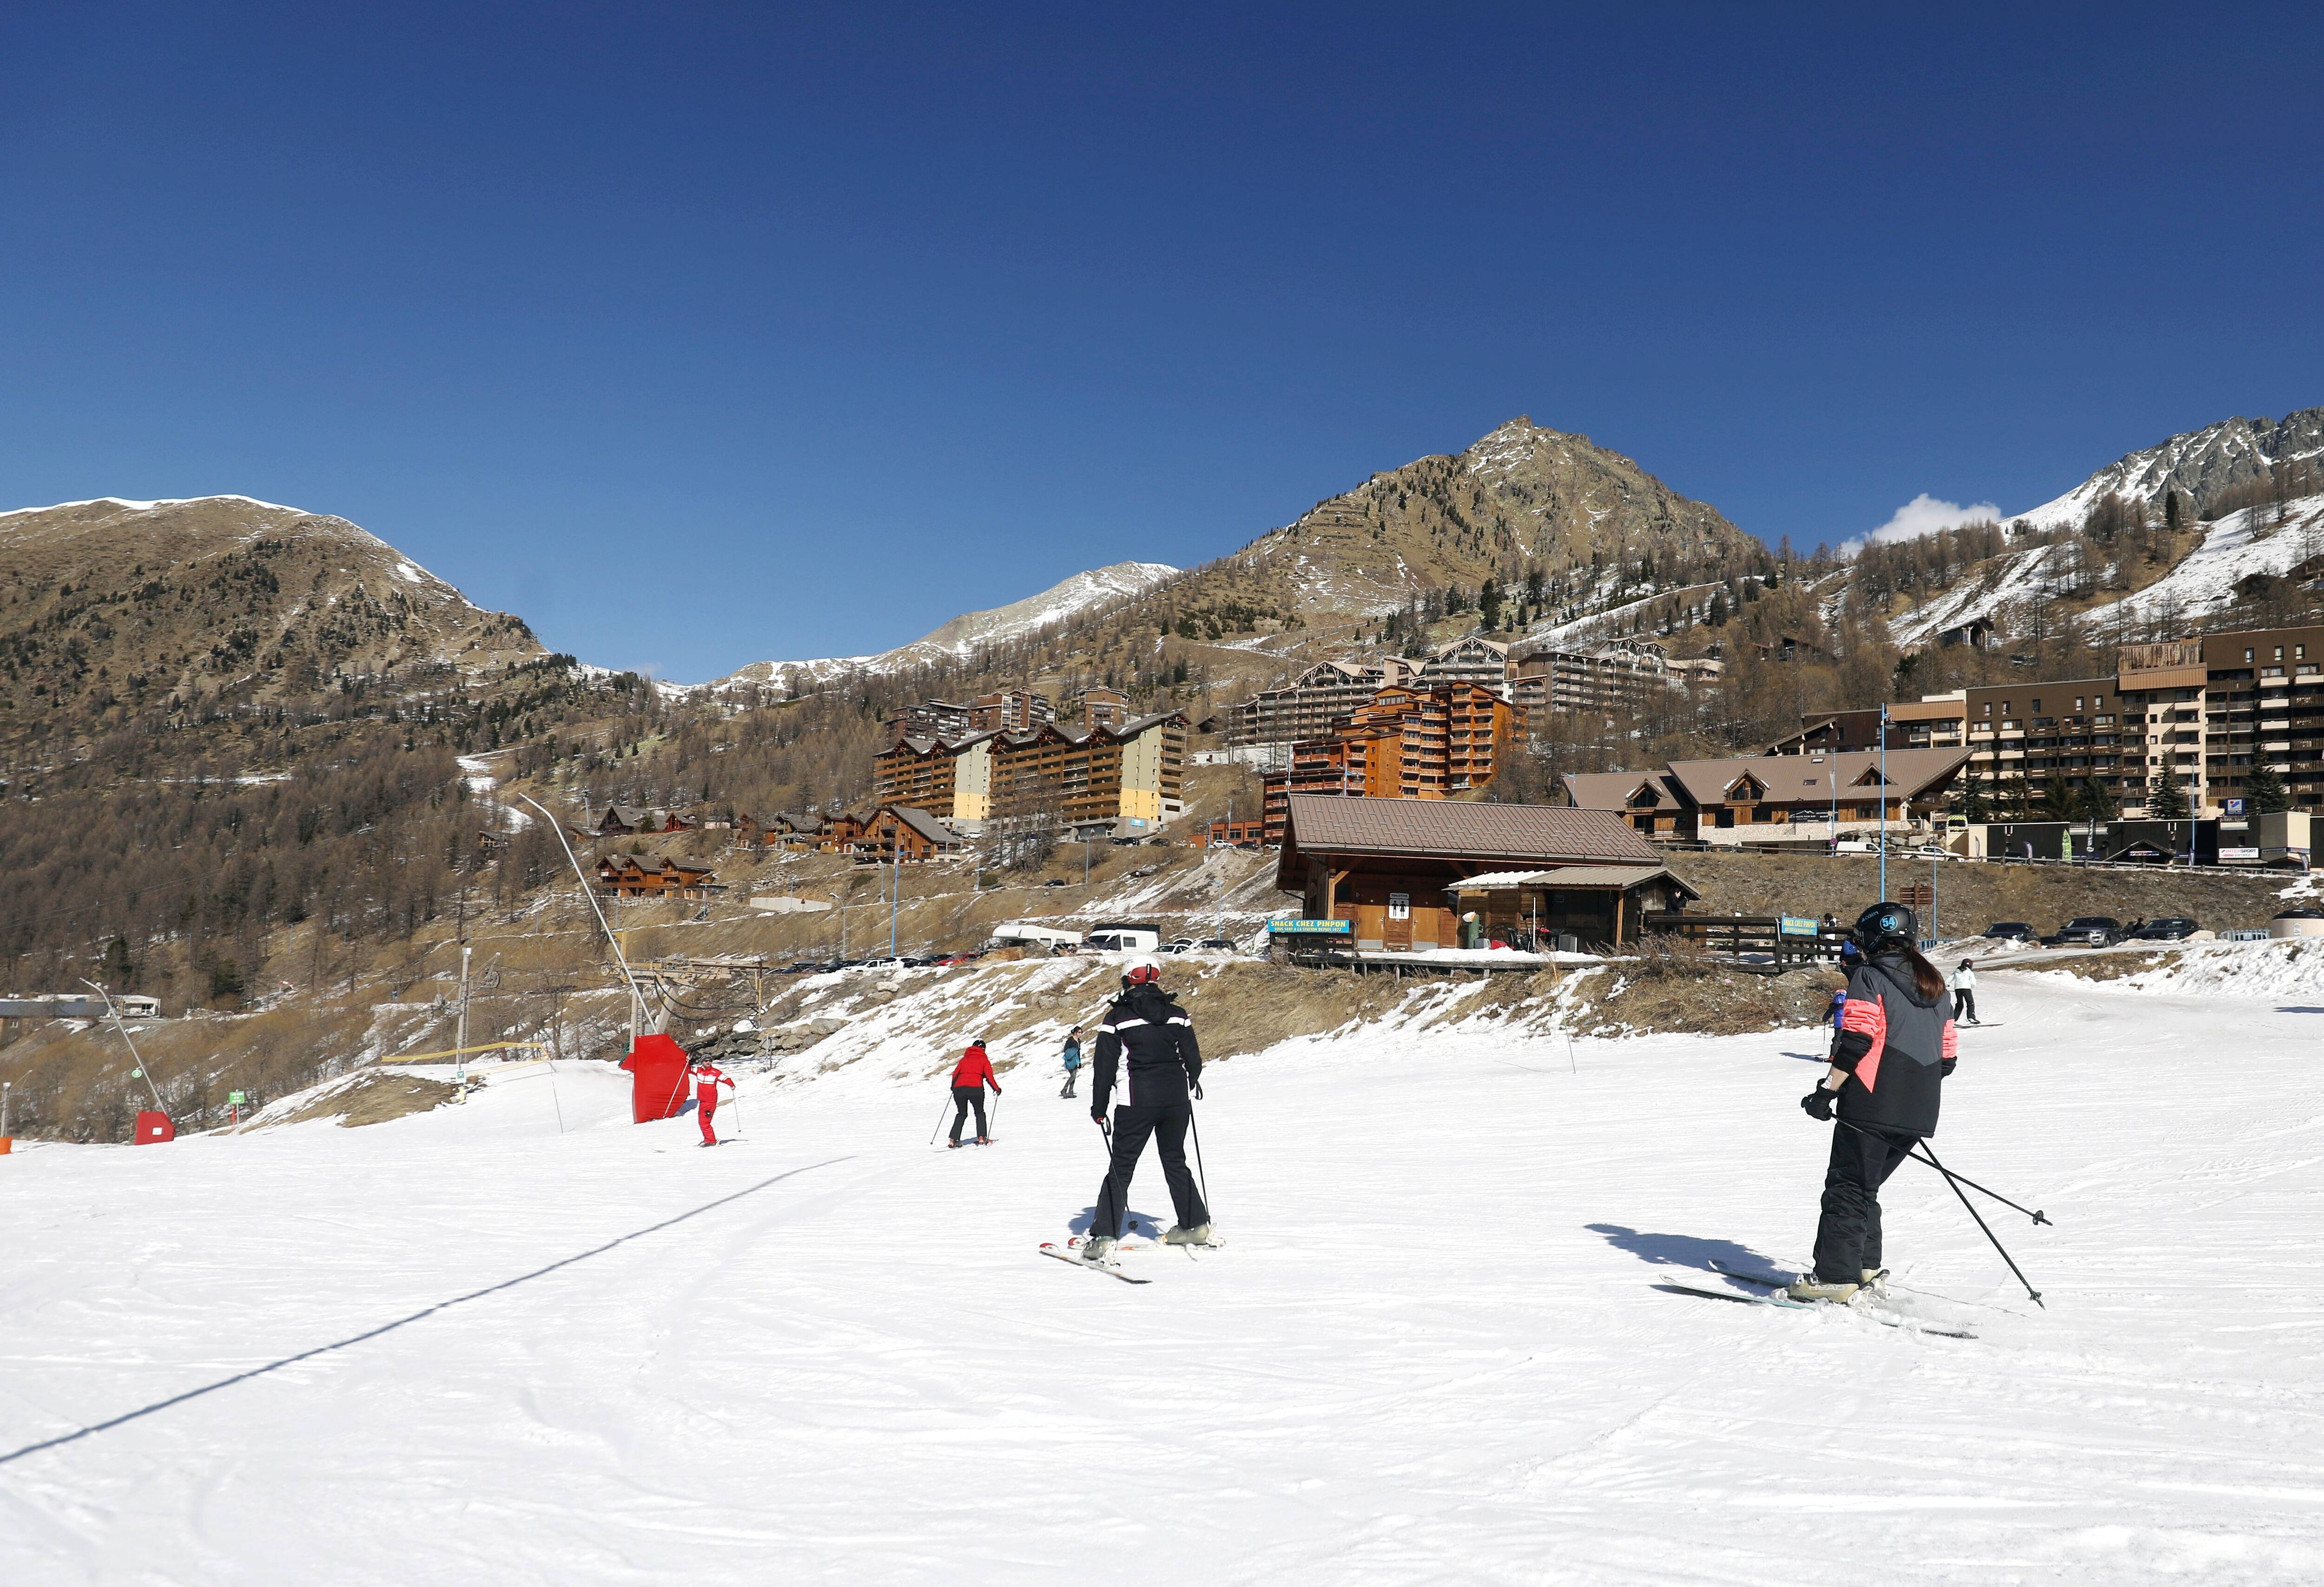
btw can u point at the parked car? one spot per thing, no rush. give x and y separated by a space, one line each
2165 928
1057 881
1222 943
2098 931
2010 931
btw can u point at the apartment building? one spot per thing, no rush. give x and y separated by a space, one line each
1307 706
1605 679
1130 778
1104 708
931 719
1934 722
1010 711
1473 659
1408 742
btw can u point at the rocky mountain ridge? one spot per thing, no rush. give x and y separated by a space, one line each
2203 465
110 608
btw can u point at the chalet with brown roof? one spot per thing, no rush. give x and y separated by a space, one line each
1773 794
631 876
1393 868
895 832
621 821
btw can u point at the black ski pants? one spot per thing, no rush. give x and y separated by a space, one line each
964 1097
1964 1004
1848 1237
1167 1123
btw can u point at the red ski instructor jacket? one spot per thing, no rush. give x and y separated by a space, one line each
974 1071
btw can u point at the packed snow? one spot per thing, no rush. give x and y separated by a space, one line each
528 1341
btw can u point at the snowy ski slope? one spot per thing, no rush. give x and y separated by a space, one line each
465 1348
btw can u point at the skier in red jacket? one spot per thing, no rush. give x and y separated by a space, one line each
970 1076
707 1078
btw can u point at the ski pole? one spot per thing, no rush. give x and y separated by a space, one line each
1947 1173
2006 1257
939 1129
992 1124
1196 1125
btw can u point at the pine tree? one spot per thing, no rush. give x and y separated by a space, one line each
2165 799
1718 618
2264 791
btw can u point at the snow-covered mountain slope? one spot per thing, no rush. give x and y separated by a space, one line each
964 634
2243 545
2003 587
525 1340
2200 464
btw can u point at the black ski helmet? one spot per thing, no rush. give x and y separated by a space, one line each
1883 921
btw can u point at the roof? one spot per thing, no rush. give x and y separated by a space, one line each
1790 779
1621 876
1455 830
925 824
1611 791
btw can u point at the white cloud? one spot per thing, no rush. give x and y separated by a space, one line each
1923 514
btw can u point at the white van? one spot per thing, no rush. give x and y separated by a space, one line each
1123 939
1044 936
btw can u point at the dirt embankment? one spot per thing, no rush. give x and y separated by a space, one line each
1969 898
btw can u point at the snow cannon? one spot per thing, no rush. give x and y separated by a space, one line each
656 1067
152 1127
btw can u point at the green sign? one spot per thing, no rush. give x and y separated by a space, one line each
1311 928
234 1099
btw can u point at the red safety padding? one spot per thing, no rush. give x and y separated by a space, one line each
656 1067
152 1127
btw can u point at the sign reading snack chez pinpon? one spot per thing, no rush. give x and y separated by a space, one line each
1311 928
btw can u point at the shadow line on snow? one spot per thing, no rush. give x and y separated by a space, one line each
1682 1251
441 1305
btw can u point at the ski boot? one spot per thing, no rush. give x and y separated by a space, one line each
1874 1282
1097 1250
984 1140
1200 1234
955 1145
1808 1287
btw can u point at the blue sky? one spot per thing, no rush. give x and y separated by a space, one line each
806 330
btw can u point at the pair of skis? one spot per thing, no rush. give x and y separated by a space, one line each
1778 1285
1070 1253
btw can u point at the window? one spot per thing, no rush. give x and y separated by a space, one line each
2299 652
2279 652
2078 702
2247 652
2037 704
1989 707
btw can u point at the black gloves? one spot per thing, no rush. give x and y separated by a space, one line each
1198 1091
1097 1111
1817 1103
1945 1066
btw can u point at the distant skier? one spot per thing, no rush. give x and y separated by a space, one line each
1965 992
707 1078
1072 1056
1838 1004
970 1076
1894 1046
1148 1042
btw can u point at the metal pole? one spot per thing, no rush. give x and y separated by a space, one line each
1883 803
144 1073
460 1043
895 887
636 997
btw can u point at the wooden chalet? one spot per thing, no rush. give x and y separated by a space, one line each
621 821
900 832
1395 868
633 876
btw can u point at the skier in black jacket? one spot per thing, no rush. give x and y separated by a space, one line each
1148 1043
1894 1046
